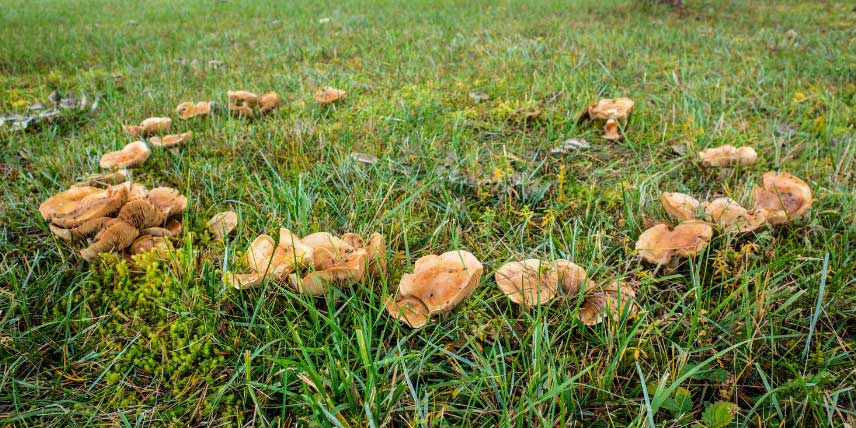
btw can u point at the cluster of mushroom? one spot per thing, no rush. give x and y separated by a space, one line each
248 104
781 197
613 111
153 129
312 263
112 214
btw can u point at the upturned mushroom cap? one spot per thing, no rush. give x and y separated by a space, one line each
732 217
610 302
354 240
118 236
222 224
376 249
410 310
298 252
325 240
659 243
783 196
243 281
155 125
96 205
268 102
135 190
168 200
329 94
146 243
727 155
265 257
172 140
618 108
187 109
66 202
86 230
132 155
141 214
241 110
242 97
532 282
679 206
442 282
344 273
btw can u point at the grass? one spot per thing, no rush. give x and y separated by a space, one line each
762 321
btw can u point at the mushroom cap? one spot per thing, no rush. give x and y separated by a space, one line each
268 101
659 243
168 200
442 282
241 110
727 155
316 283
222 224
610 130
133 130
679 206
298 252
529 282
376 249
609 302
155 125
141 214
243 281
242 97
135 190
354 240
173 226
133 154
66 202
325 240
783 195
172 139
96 205
118 236
107 179
146 243
86 230
265 257
187 109
618 108
727 213
157 231
410 310
329 94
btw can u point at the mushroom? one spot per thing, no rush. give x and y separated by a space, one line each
732 217
299 251
611 110
150 126
329 95
532 282
171 140
265 259
333 260
610 301
86 229
727 155
783 196
141 214
173 226
187 109
96 205
268 102
222 224
659 243
146 243
118 236
679 206
106 179
66 202
438 283
376 249
135 190
242 97
132 155
610 130
168 200
241 110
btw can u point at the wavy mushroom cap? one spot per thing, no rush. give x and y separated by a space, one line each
222 224
86 229
442 282
96 205
241 110
529 282
325 240
188 109
173 226
659 243
728 214
168 200
783 196
329 95
618 108
243 281
299 252
679 206
610 302
146 243
268 101
172 140
376 249
135 190
155 125
242 97
141 214
410 310
132 155
106 179
727 155
116 237
265 257
66 202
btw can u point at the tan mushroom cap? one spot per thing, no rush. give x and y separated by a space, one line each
135 190
329 94
155 125
106 179
96 205
410 310
168 200
610 302
679 206
325 240
173 226
268 101
146 243
172 140
187 109
66 202
783 196
243 281
265 257
157 231
728 155
132 155
604 109
241 110
376 249
118 236
659 243
86 230
133 130
242 97
299 252
141 214
732 217
222 224
532 282
442 282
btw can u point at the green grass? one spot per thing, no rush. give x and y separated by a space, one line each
161 344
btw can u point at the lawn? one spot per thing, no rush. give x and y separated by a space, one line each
757 330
